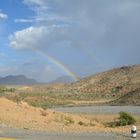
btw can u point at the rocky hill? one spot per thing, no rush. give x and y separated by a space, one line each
113 83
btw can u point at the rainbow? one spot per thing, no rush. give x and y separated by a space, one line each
57 63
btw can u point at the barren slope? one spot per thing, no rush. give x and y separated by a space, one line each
131 98
112 83
24 116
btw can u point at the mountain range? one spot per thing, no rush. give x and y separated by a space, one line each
17 80
23 80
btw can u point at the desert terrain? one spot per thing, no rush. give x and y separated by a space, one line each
48 107
21 121
21 115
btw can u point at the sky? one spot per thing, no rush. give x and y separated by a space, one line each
46 39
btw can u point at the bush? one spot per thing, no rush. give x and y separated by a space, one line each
68 120
126 119
43 113
81 123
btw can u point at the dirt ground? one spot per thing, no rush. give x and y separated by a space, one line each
21 115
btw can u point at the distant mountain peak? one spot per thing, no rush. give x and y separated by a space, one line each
17 80
64 79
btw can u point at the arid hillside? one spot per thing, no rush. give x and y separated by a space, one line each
131 98
24 116
115 86
109 84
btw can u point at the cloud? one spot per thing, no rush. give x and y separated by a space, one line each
44 12
35 20
24 20
3 16
60 24
35 2
37 37
108 29
89 23
28 38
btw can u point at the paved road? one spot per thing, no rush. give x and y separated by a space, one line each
20 134
100 109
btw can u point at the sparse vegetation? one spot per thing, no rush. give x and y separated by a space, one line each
86 124
64 119
120 86
43 113
81 123
126 119
68 120
123 120
5 89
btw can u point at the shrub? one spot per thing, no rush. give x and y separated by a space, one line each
81 123
68 120
84 124
126 119
43 113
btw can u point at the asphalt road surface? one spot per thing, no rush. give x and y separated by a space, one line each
99 109
21 134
